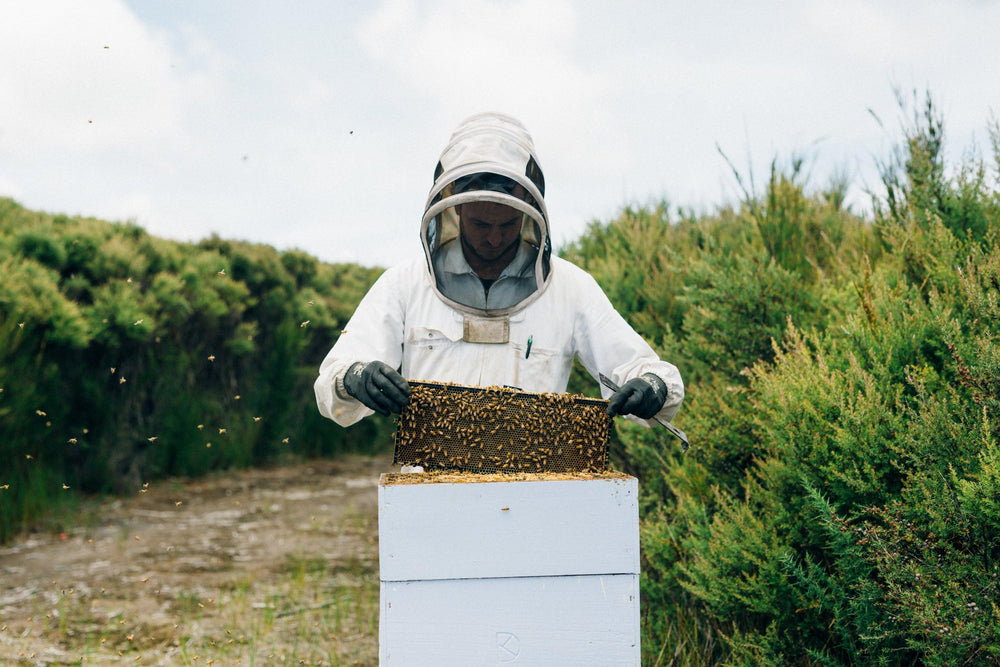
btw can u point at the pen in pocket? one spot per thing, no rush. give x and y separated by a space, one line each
527 350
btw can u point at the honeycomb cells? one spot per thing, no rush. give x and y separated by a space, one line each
501 430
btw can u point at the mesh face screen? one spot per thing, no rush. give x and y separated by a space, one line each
489 430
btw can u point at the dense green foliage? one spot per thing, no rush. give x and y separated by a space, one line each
840 503
124 358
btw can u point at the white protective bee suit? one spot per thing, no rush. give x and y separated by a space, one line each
432 319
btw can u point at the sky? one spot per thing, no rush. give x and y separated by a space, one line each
316 124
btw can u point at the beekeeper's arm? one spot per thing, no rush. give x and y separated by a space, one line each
649 387
359 375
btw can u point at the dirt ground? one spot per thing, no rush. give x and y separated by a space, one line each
275 566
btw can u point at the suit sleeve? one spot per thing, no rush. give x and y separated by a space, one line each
607 344
374 333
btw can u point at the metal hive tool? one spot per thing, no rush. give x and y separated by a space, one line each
500 430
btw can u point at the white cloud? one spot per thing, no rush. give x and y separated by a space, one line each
519 57
863 31
84 76
8 188
127 206
106 116
342 108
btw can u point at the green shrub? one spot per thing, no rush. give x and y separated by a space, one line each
839 503
124 357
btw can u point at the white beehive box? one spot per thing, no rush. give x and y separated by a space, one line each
539 571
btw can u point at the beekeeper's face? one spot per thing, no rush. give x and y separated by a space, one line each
490 233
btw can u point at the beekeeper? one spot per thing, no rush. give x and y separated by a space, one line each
488 304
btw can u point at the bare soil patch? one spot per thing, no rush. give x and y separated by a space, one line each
265 566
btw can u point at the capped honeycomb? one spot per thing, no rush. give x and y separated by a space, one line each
501 430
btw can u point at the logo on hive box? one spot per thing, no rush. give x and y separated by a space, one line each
508 646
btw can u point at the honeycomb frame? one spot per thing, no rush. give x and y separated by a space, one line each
490 430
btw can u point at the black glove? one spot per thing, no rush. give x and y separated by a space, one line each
377 386
643 397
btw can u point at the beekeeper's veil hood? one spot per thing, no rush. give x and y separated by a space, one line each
491 158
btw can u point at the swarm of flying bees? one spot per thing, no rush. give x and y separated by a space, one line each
493 429
122 380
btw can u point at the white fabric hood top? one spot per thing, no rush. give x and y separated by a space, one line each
490 157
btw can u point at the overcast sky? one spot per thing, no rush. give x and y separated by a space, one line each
317 124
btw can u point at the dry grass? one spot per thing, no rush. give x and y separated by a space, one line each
249 568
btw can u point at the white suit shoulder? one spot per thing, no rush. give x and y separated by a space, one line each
404 272
394 287
568 276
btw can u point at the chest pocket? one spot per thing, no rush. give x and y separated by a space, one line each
432 354
543 370
428 339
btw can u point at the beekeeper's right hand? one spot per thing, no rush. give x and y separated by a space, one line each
377 386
